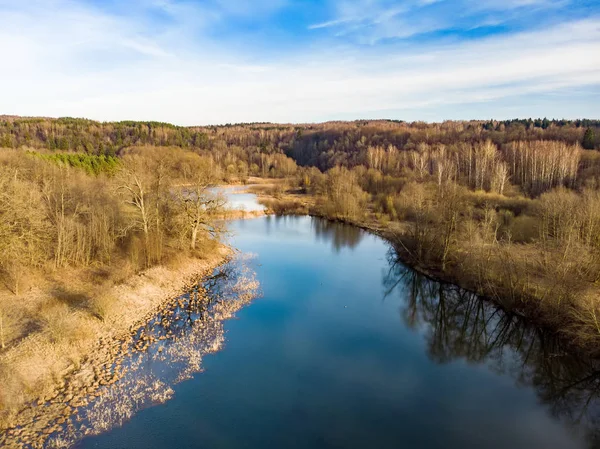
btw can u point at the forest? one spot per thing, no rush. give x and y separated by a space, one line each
508 209
76 227
321 145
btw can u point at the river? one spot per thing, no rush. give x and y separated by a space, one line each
315 335
345 347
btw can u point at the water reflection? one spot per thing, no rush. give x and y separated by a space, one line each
238 198
169 348
340 235
459 325
322 362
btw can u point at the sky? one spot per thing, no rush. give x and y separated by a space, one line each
199 62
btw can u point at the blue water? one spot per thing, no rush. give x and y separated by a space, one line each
348 348
239 199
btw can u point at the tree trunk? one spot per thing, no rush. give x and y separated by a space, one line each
448 239
194 236
2 344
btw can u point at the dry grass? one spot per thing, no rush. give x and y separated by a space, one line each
119 378
553 285
288 206
54 325
279 199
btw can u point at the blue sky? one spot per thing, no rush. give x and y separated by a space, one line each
220 61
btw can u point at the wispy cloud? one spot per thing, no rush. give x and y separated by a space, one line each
370 21
194 63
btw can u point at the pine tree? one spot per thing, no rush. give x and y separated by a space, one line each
588 139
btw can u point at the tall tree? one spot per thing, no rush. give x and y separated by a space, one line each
198 203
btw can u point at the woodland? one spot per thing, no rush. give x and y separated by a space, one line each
508 209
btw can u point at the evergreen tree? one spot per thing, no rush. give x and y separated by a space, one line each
545 123
588 139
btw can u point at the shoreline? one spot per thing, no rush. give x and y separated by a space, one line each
148 293
526 306
73 381
34 424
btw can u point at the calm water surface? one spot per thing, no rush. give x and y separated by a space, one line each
238 199
347 348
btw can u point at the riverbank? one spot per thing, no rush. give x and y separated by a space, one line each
46 374
339 318
522 279
74 325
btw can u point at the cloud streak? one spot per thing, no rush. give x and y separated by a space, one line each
370 21
168 61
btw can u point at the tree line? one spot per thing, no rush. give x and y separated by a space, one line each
508 208
322 145
79 210
518 222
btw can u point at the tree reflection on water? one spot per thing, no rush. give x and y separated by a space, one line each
340 235
458 324
164 351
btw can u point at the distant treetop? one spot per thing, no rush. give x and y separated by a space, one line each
320 144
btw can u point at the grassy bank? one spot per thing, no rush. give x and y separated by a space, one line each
120 377
34 368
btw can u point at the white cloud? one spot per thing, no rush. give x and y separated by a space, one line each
370 21
78 61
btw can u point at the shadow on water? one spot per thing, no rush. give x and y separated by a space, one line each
458 324
340 235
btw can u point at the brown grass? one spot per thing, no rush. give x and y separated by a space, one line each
54 325
285 206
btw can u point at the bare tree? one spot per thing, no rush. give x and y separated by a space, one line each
23 227
345 197
199 204
499 178
2 341
134 182
539 166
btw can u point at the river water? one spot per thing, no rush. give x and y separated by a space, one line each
345 347
239 199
